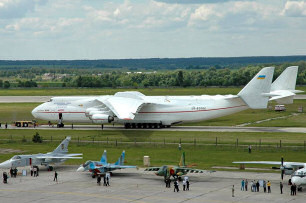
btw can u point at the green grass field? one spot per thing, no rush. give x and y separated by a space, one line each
205 156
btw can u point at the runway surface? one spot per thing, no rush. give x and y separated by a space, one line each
41 99
133 185
173 128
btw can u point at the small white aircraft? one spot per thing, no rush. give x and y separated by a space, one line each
59 155
297 170
135 110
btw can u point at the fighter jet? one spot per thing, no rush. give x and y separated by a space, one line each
297 170
135 110
168 171
102 166
58 156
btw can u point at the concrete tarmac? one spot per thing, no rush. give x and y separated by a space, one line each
41 99
131 185
173 128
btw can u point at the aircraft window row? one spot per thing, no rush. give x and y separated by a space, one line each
299 173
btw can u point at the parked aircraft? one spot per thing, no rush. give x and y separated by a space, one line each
59 155
135 110
102 166
175 171
297 170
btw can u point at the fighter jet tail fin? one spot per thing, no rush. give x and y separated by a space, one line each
257 92
121 159
63 147
182 160
104 158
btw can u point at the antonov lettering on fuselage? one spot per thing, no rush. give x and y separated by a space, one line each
135 110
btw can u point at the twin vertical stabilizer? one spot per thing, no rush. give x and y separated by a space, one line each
256 93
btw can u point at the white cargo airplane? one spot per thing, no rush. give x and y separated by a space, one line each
297 170
135 110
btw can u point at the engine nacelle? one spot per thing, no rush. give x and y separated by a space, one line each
102 118
91 113
93 109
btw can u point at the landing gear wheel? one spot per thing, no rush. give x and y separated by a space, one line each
60 125
179 178
93 176
50 168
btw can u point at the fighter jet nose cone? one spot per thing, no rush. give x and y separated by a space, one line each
80 169
6 164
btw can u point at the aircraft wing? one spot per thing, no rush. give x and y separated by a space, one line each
192 170
294 164
125 104
66 156
58 157
121 167
152 169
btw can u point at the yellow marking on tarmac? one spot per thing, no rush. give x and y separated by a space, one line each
73 193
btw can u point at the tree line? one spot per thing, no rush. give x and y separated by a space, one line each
176 78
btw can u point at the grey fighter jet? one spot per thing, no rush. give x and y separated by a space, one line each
58 156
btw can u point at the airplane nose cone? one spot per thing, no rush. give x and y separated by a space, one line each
6 164
34 112
81 169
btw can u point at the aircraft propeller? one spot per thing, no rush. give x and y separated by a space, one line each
282 168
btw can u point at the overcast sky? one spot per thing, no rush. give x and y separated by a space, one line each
112 29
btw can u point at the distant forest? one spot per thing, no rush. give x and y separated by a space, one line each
154 63
189 72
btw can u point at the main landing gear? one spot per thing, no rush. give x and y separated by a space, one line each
145 125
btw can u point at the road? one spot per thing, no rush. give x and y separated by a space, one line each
175 128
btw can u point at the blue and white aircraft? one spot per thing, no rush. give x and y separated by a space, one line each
102 166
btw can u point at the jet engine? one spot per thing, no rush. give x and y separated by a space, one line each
102 118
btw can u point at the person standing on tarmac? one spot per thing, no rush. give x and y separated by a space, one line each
269 186
281 187
242 185
233 190
246 184
55 176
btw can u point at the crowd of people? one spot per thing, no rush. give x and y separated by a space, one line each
106 179
186 184
255 185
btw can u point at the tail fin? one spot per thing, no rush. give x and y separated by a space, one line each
63 147
182 161
286 80
104 158
121 159
283 88
256 93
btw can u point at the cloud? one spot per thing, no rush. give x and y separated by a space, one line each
195 1
18 8
294 9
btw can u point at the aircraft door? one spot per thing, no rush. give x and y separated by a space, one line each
60 116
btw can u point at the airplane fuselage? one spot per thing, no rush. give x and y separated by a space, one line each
166 110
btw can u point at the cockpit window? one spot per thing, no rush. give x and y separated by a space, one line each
16 157
87 163
50 100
